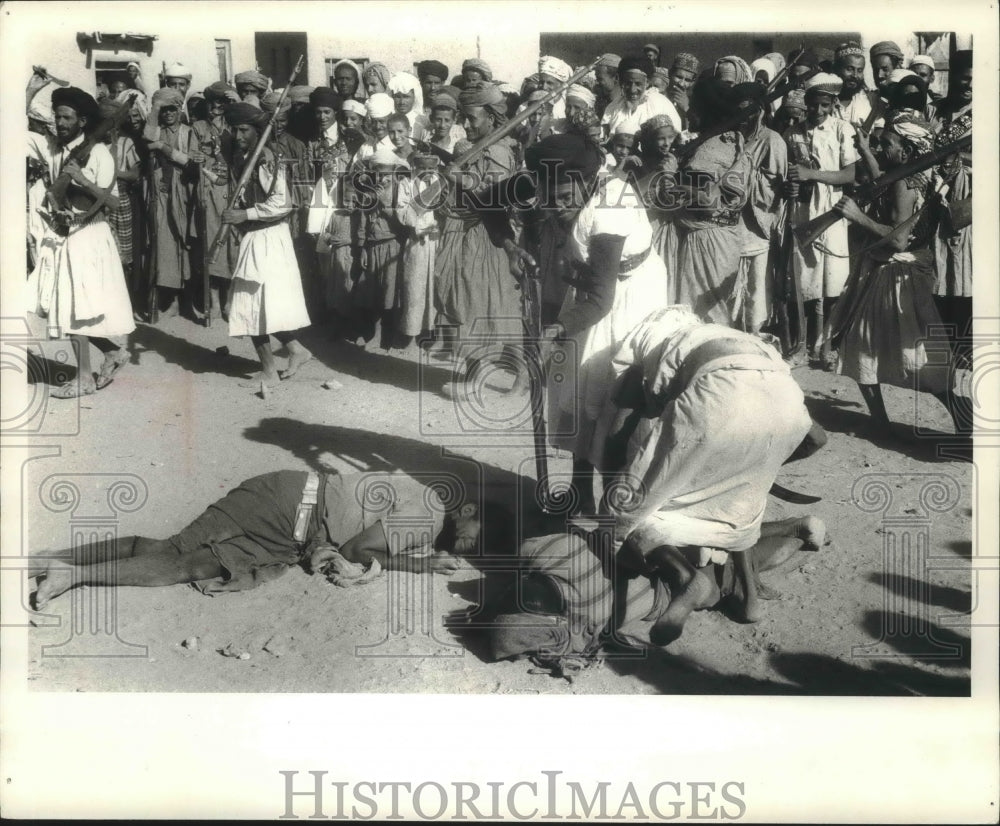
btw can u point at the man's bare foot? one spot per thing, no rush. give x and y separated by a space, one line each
268 380
701 592
58 578
299 356
812 531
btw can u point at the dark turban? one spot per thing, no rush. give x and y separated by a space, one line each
432 68
887 47
77 100
241 113
808 58
269 103
486 95
253 78
574 152
636 64
324 96
751 92
108 108
712 100
218 91
909 93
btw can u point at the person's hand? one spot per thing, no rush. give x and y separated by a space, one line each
790 188
849 209
679 98
522 264
444 563
364 260
862 139
197 157
234 216
72 168
631 162
38 80
799 172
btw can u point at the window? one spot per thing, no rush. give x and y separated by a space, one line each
107 72
224 57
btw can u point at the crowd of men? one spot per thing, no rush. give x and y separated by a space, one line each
659 208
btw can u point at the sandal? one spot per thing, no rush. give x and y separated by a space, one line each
73 389
113 362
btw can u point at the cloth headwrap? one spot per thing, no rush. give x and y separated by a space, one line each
848 49
177 70
901 99
686 61
407 83
486 95
711 99
583 94
923 60
612 60
961 61
253 78
82 103
555 67
478 65
636 64
574 151
794 99
824 56
380 105
452 91
40 108
137 99
886 47
357 73
325 96
386 156
740 66
443 100
763 64
823 83
751 92
896 75
778 59
218 90
167 97
432 68
625 129
915 132
237 114
300 94
648 127
652 46
132 63
356 106
269 102
663 72
515 634
379 71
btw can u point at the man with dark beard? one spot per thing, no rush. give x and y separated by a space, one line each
854 103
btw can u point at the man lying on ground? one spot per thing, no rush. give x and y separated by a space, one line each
276 520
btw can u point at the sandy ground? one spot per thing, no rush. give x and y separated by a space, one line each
178 419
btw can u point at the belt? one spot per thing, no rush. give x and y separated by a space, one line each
713 349
633 262
308 508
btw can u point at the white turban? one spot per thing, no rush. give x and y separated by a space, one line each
380 105
177 70
923 60
765 65
407 84
356 106
41 106
581 93
555 67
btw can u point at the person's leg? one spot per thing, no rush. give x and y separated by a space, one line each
122 548
872 394
297 353
690 589
116 356
269 373
814 325
583 484
84 384
164 567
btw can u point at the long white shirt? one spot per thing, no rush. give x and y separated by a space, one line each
621 112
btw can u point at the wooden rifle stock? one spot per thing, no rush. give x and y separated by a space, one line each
251 164
807 232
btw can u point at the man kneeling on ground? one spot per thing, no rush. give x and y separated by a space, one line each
271 522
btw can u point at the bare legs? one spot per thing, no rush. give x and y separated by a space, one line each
297 356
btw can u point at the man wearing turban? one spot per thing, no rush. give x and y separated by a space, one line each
346 81
854 103
213 150
606 81
77 283
475 70
267 287
173 178
822 153
433 75
885 56
408 100
251 86
376 78
683 72
886 314
637 102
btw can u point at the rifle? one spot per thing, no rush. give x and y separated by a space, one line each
807 232
251 164
532 293
785 70
732 122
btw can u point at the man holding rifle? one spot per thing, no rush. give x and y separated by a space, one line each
267 289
